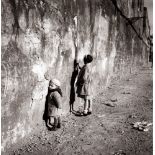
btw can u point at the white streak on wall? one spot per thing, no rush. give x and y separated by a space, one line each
47 26
39 68
75 20
101 30
22 21
111 63
101 65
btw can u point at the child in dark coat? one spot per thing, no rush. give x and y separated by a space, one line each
54 104
84 85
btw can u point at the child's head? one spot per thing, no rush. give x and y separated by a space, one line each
54 83
88 59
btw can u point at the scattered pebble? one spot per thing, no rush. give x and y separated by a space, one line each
109 88
39 137
126 93
114 100
102 125
133 116
110 104
49 142
101 115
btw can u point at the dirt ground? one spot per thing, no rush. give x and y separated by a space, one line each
109 130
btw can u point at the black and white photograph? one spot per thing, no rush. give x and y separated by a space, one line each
77 77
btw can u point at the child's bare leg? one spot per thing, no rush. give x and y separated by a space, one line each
85 106
51 120
90 106
55 121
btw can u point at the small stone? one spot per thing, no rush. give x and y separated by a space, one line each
49 142
132 116
101 116
39 137
122 132
109 88
101 125
126 93
149 124
146 129
110 104
113 99
28 150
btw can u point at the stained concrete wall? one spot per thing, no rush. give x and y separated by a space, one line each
42 38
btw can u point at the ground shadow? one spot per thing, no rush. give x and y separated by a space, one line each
72 83
77 113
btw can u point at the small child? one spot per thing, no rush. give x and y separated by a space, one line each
84 85
54 104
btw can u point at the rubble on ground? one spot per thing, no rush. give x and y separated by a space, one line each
142 126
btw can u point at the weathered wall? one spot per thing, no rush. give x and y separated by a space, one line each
41 39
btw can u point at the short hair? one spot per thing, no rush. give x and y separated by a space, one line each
88 58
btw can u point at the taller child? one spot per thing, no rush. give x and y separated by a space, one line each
84 85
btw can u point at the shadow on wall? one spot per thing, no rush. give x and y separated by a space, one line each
72 90
72 83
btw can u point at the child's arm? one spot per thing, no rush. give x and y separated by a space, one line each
57 99
86 76
79 66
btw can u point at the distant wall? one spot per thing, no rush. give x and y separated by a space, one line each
42 38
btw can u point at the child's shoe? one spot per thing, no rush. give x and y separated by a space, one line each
89 113
85 112
53 128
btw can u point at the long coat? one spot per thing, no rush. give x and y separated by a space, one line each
84 82
54 102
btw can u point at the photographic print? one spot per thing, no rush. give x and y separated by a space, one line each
77 77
